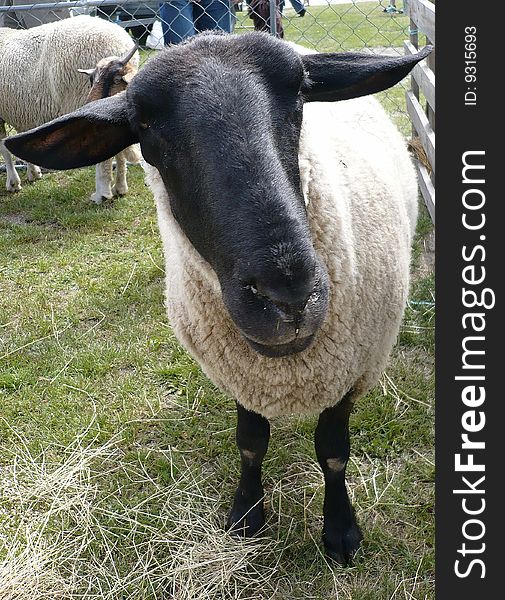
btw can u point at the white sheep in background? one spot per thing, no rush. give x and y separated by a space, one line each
40 80
288 307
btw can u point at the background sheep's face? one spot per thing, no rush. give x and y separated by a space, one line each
221 123
111 75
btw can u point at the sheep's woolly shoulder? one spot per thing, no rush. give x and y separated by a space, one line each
42 63
368 147
359 200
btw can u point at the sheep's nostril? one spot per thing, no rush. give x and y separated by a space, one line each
292 312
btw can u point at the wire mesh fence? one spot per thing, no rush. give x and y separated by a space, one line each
378 26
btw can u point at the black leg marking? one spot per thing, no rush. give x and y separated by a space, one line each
341 534
247 515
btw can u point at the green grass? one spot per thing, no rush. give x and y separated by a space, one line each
87 355
117 455
333 28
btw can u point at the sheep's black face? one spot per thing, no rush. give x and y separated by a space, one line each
221 121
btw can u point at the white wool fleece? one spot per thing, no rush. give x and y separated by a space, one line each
39 80
362 206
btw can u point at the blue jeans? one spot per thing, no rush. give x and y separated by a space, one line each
296 4
181 19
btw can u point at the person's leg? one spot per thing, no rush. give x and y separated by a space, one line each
260 15
213 14
298 6
177 21
278 21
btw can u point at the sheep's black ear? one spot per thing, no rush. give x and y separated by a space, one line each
92 134
344 75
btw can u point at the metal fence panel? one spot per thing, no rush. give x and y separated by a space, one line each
378 26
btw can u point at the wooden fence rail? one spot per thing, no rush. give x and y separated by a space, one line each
422 21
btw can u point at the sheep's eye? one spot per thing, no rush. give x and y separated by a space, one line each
143 125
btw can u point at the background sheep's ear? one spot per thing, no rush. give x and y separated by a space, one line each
344 75
90 135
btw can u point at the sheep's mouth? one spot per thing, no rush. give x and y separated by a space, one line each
273 329
279 350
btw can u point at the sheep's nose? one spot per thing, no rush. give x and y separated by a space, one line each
291 313
290 300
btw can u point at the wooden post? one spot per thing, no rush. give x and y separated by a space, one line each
421 15
430 110
414 40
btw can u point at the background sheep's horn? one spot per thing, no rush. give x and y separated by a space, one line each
126 58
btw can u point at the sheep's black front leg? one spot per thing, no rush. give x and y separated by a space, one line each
247 515
341 534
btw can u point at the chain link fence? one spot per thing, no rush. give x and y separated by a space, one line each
379 26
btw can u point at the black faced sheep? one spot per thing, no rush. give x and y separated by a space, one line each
286 219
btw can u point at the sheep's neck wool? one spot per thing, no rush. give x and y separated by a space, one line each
362 202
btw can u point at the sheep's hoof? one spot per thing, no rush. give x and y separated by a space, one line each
98 198
246 518
119 190
341 547
33 173
13 185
